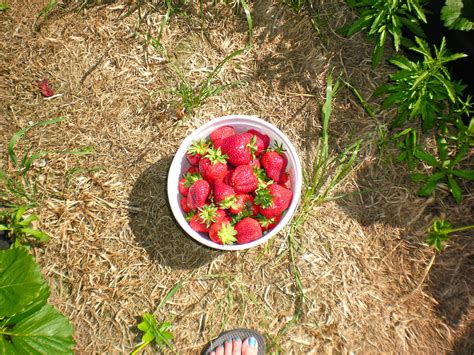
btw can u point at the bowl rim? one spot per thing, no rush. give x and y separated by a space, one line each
172 186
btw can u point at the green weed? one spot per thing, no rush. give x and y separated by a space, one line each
4 6
326 173
192 97
455 15
154 332
383 18
440 233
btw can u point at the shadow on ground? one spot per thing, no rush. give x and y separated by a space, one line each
154 227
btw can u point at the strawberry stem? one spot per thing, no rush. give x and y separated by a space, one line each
216 156
227 233
198 147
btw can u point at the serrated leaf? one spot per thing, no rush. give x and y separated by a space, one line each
464 174
427 158
44 332
401 62
20 281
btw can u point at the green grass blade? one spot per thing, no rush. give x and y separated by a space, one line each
170 295
248 15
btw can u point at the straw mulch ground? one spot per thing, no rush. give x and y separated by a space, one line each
115 248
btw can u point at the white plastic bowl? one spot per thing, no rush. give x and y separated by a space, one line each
241 123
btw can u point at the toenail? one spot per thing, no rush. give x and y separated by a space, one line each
252 341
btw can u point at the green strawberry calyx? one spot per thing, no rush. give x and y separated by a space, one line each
229 202
216 156
263 196
264 221
191 179
200 147
253 146
227 233
208 214
189 216
277 147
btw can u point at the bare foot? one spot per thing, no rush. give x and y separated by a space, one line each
236 347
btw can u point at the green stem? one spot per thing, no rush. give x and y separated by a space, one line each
460 229
139 347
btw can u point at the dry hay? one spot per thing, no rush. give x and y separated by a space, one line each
116 250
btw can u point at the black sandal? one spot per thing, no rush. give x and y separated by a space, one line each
241 333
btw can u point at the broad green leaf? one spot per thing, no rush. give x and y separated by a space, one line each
36 234
431 183
448 86
20 281
455 189
413 26
379 48
451 14
44 332
427 158
359 25
464 174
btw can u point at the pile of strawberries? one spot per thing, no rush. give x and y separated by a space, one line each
237 186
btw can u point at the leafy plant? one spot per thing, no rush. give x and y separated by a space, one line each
18 227
383 18
4 6
28 325
154 332
422 89
192 97
457 15
440 233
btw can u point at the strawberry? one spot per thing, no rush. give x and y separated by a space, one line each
213 166
243 203
274 162
192 170
255 163
209 214
239 148
243 179
223 193
222 232
186 182
198 193
229 173
268 223
184 204
196 150
217 136
280 200
196 224
248 230
265 140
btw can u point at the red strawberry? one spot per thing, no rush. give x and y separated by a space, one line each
186 182
213 166
198 193
184 204
192 170
222 232
248 230
222 192
229 173
45 89
255 163
268 223
243 204
274 164
217 137
239 148
243 179
263 137
280 200
196 224
209 214
196 150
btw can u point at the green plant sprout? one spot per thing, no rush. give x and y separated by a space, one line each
192 97
154 332
440 233
383 18
4 6
18 227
